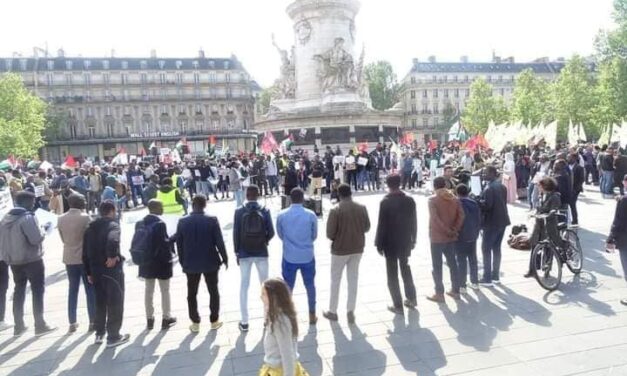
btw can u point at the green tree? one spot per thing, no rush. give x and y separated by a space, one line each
530 100
483 107
449 114
22 119
383 84
611 94
55 122
611 90
572 96
266 97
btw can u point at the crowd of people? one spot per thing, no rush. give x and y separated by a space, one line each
90 199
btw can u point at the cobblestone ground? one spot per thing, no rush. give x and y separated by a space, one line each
513 329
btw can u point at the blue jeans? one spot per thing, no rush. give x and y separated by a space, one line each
466 254
530 191
239 198
136 191
76 273
308 272
491 249
246 265
607 183
273 182
448 250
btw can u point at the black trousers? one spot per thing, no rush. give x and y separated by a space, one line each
351 178
33 273
392 265
193 280
4 286
109 289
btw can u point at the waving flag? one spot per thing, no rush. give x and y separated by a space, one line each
70 162
268 143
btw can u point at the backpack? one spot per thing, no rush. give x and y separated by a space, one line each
253 231
141 243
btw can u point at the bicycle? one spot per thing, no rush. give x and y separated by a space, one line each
548 257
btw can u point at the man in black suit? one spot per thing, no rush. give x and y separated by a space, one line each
578 174
395 239
493 202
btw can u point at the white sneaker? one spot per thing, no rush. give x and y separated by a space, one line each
4 326
462 290
474 286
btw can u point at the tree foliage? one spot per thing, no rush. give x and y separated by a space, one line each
572 96
449 114
22 119
383 84
530 102
483 107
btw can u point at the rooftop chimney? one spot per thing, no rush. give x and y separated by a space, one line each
510 60
415 61
201 54
153 54
60 52
432 59
464 59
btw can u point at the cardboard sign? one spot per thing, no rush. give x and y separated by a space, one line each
475 185
137 179
362 161
40 190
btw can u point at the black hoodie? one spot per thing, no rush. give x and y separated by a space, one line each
101 241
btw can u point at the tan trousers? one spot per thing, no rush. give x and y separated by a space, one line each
164 287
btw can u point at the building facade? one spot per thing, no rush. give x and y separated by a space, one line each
106 104
436 93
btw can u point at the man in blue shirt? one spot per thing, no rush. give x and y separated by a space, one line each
298 228
252 231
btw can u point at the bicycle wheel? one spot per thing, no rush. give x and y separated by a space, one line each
546 266
574 253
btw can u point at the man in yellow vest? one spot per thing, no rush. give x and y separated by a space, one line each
171 198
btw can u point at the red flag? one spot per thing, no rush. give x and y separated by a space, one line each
142 152
70 162
212 140
268 144
433 144
363 147
407 138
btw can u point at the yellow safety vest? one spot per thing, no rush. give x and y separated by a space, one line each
170 206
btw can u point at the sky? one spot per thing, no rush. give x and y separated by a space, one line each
393 30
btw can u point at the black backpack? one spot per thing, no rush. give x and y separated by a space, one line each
253 231
142 243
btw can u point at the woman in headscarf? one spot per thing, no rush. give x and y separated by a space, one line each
509 177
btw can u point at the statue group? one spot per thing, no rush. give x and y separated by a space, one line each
336 70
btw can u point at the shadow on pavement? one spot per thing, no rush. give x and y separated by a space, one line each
579 291
364 358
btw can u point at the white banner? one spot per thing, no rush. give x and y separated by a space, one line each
6 202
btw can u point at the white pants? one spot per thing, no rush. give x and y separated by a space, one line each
338 263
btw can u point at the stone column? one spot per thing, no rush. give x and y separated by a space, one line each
317 25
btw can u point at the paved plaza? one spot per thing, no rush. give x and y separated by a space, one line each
513 329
